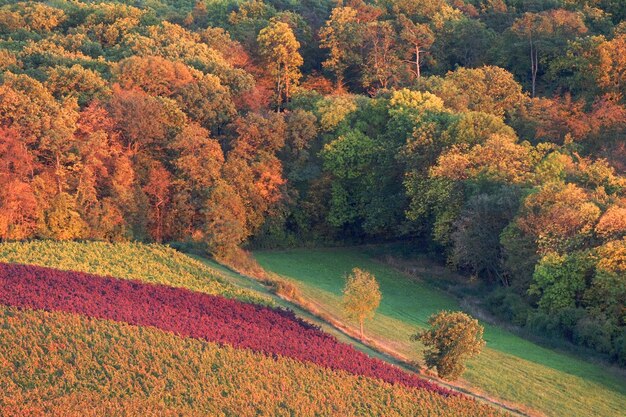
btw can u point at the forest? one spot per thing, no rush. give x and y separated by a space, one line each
488 132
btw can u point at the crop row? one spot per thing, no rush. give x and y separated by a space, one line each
274 332
55 363
152 263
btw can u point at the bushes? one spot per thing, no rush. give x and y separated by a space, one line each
134 371
508 306
212 318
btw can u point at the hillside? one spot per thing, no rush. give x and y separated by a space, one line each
132 348
488 136
511 368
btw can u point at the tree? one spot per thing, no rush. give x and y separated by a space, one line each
477 232
342 37
279 49
453 338
560 217
225 220
62 220
547 32
559 280
361 296
487 89
383 65
153 74
611 71
158 191
420 38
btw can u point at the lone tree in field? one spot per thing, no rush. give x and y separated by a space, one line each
361 296
453 338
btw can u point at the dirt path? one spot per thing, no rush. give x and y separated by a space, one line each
314 312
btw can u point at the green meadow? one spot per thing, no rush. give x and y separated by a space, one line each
510 368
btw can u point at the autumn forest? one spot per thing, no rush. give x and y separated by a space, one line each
488 134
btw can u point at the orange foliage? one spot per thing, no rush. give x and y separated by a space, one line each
154 75
557 213
613 222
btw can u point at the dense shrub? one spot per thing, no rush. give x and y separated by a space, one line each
508 306
136 371
186 313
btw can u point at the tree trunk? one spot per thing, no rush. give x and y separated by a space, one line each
417 62
533 65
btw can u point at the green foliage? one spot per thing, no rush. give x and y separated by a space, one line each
361 296
560 280
453 338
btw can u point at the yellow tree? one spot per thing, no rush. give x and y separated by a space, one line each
341 36
279 47
361 296
611 72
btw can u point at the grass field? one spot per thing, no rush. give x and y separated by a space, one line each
511 368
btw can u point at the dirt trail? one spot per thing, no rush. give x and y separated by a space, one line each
316 313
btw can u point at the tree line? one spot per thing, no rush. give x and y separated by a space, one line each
491 129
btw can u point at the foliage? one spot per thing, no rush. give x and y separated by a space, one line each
152 263
279 48
361 296
137 371
275 332
491 130
453 338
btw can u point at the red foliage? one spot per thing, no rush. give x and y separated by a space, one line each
274 332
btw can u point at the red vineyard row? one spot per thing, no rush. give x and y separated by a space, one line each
191 314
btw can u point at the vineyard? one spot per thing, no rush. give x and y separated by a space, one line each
64 364
212 318
152 263
133 330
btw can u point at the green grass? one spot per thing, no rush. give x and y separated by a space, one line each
510 368
152 263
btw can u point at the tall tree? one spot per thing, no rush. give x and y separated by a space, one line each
547 33
279 49
361 296
420 38
342 37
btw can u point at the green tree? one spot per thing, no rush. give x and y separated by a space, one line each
547 34
361 296
279 49
453 338
560 280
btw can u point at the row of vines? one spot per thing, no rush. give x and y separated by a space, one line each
260 328
54 363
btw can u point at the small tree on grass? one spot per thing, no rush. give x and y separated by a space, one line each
453 337
361 296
